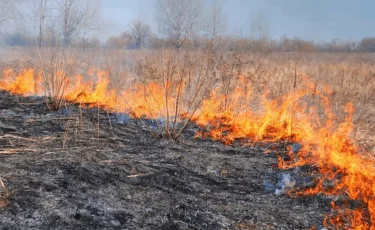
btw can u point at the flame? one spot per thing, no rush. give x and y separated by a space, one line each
304 115
26 83
326 145
86 93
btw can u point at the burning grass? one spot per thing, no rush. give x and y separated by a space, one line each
230 98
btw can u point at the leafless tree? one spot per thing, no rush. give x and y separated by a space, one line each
77 16
259 27
90 22
40 11
180 18
215 23
4 11
139 32
71 19
8 10
52 30
259 37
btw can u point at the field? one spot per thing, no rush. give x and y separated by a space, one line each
187 140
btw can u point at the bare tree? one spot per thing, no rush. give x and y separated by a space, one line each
77 16
139 32
259 27
8 10
215 23
4 11
71 19
90 12
52 30
40 11
180 18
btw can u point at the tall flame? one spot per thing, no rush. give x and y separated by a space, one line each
326 140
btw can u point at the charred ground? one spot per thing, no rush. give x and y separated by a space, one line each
82 169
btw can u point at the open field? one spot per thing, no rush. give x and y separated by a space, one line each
62 175
349 76
184 140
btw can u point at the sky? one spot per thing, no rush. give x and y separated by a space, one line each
318 20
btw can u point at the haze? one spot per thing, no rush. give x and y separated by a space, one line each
319 20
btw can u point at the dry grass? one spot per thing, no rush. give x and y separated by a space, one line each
351 77
170 88
174 84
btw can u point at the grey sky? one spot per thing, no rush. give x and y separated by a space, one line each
308 19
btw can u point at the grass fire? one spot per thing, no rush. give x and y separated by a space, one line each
193 128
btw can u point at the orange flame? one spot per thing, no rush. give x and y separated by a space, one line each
27 82
326 145
228 117
98 95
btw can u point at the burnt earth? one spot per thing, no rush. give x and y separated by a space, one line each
70 170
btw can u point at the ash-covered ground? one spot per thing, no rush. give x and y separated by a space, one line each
84 169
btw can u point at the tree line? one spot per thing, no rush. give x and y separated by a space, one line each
49 22
182 24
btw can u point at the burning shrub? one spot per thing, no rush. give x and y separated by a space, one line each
229 104
170 91
56 79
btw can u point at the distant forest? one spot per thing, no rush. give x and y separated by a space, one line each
187 25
